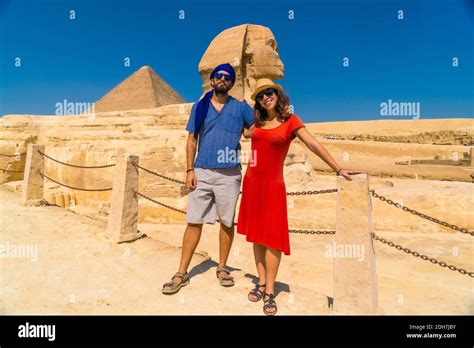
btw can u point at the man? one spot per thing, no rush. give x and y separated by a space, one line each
214 178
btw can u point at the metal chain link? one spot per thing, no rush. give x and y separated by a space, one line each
424 216
315 192
423 257
163 204
75 165
75 188
312 231
20 154
160 175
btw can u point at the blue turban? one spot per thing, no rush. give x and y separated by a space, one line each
224 67
203 105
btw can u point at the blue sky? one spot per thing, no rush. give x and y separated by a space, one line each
406 60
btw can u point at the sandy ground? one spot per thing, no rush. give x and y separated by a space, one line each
79 271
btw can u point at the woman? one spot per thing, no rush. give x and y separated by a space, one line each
263 209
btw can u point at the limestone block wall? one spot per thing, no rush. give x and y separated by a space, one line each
156 135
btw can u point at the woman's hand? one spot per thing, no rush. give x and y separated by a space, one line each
191 180
346 173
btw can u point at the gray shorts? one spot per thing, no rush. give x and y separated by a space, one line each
217 191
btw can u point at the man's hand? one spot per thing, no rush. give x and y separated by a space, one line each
191 180
247 132
287 112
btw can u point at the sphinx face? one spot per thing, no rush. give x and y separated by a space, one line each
253 52
262 52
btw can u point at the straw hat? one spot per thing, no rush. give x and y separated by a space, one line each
263 84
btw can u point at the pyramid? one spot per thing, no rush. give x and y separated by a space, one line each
144 89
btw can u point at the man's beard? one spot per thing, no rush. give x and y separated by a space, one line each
222 89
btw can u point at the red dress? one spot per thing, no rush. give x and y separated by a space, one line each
263 214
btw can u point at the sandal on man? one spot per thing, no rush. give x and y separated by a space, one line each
269 304
173 287
257 293
225 280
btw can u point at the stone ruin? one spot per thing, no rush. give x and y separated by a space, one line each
253 52
466 160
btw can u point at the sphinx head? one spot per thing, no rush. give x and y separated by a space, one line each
253 52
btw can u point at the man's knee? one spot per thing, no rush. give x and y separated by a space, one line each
195 227
228 229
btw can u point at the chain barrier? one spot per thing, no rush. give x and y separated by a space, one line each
331 232
311 231
424 216
184 183
235 223
315 192
423 257
74 165
159 175
12 171
18 154
162 204
301 193
74 188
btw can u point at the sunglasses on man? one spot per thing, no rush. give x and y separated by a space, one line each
219 75
268 92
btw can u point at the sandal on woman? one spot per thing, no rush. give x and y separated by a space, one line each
269 304
224 280
257 293
173 287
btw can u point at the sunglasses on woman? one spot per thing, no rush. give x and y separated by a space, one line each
219 75
268 92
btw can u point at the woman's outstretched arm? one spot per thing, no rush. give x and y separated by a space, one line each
318 149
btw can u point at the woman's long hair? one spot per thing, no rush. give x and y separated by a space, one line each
261 114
